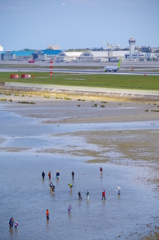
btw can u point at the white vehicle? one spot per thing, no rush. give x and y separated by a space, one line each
112 68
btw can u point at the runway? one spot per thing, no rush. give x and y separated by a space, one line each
124 64
79 71
127 68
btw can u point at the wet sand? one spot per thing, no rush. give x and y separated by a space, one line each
123 147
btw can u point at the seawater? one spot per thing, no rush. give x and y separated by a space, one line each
25 196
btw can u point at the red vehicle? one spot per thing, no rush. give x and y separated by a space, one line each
31 61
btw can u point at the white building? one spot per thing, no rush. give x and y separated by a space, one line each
102 56
154 49
151 56
135 56
91 56
97 56
1 48
117 55
68 56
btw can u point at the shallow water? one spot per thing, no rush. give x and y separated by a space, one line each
25 196
10 124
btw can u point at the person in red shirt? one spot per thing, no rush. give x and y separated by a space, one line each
103 195
49 175
47 214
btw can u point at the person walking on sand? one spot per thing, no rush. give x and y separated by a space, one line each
47 214
79 195
11 222
70 185
73 174
51 185
87 194
118 190
57 174
103 195
43 174
49 174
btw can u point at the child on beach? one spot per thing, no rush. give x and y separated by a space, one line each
69 208
16 225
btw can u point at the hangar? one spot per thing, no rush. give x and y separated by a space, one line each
97 56
91 56
68 56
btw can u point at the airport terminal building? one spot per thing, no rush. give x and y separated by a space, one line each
91 56
129 54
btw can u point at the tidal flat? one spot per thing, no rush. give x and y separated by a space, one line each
54 134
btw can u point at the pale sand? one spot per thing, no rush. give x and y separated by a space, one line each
63 110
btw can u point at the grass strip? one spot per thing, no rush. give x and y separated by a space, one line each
103 81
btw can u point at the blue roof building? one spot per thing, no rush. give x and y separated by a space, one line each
23 53
51 52
31 53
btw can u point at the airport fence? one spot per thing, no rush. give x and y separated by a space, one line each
84 89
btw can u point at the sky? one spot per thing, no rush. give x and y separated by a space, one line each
35 24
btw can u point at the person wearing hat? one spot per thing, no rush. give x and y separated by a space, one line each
11 222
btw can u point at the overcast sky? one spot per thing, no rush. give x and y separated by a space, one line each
77 23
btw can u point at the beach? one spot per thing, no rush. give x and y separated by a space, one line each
85 131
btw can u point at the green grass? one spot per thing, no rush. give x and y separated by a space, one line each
104 80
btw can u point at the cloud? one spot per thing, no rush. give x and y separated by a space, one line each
63 4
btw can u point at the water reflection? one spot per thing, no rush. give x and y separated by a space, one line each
101 175
24 195
11 231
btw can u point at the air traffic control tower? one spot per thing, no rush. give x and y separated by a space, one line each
132 42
